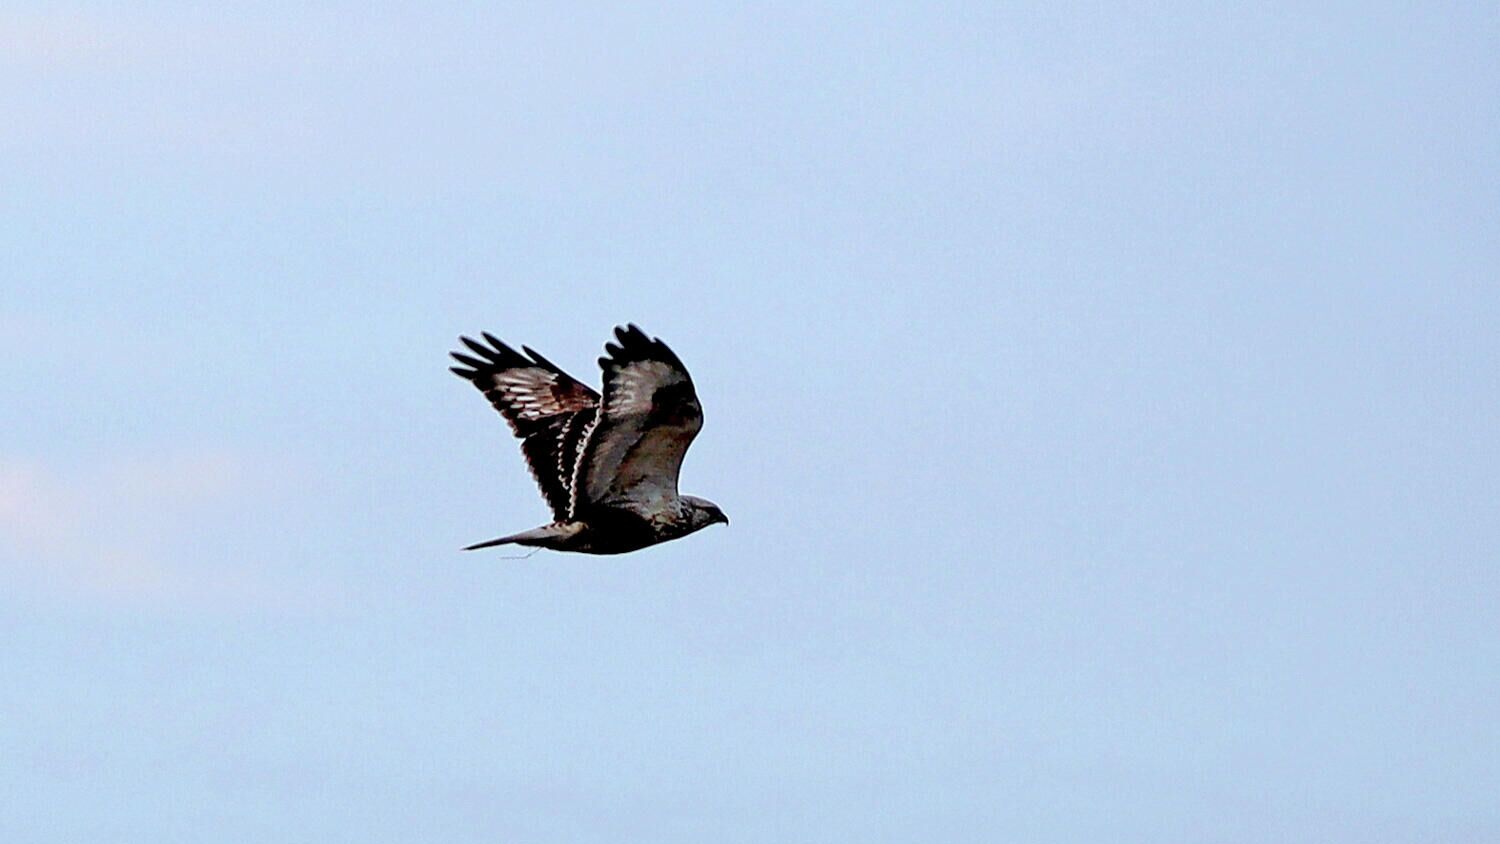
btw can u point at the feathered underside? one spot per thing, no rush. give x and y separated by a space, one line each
649 417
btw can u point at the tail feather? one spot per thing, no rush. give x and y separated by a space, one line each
504 540
553 536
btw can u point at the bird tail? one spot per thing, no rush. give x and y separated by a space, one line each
553 536
504 540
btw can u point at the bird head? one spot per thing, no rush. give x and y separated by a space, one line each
702 513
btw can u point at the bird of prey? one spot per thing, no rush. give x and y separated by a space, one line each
607 467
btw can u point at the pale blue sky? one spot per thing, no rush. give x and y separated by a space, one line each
1105 400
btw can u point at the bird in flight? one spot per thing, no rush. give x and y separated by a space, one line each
607 466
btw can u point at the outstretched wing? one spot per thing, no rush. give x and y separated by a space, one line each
649 417
547 408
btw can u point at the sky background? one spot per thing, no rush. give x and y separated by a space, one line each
1105 400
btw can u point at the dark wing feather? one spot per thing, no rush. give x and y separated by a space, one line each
649 417
547 408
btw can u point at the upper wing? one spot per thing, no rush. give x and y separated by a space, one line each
547 408
648 419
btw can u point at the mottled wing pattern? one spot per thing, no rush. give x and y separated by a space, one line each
547 408
649 417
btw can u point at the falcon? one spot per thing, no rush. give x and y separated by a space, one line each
606 466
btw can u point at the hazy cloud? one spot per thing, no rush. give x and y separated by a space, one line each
132 530
59 39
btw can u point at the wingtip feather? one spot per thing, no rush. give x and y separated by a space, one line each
500 346
481 350
537 358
